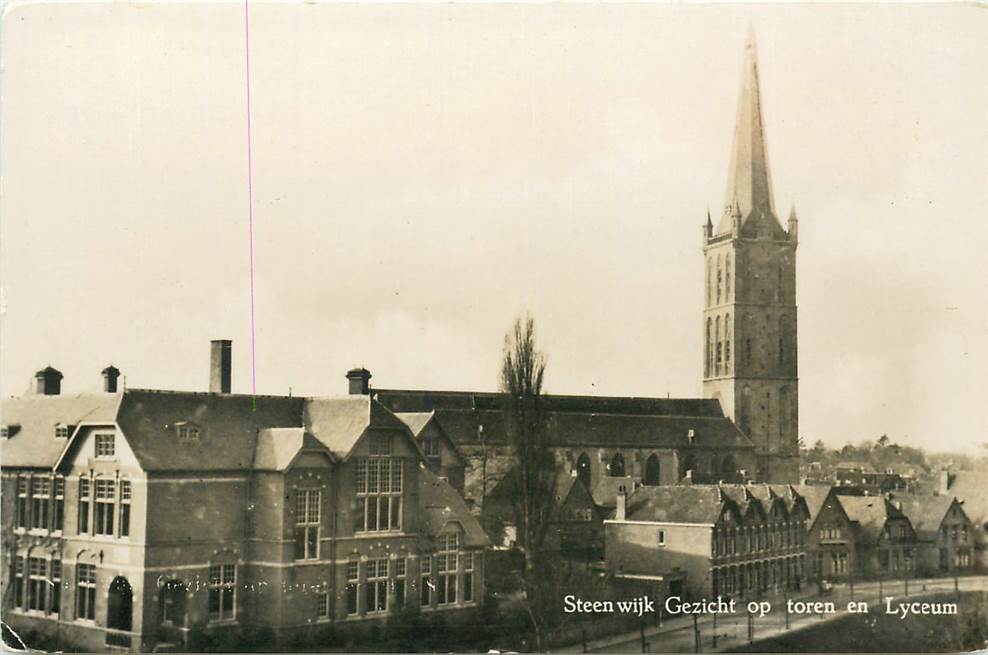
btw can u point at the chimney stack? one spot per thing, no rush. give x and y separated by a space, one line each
622 504
48 382
359 381
110 375
943 482
220 365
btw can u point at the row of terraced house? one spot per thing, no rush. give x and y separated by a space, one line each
739 540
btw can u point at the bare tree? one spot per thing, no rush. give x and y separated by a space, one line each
533 473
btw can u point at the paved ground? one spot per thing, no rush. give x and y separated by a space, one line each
677 635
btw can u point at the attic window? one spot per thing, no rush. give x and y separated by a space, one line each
187 431
62 431
691 435
380 444
431 446
105 446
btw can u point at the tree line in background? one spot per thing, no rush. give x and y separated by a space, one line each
883 453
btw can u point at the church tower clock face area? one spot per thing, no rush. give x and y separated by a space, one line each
749 317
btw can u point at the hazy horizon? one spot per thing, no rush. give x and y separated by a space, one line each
424 173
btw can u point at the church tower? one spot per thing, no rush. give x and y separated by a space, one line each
749 316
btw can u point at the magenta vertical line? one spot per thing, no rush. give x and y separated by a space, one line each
250 211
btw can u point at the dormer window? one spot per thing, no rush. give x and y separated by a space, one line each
62 431
105 446
187 431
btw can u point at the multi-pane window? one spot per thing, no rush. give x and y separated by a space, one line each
425 570
125 508
105 446
40 500
352 586
380 444
446 568
468 575
431 446
379 489
85 597
22 501
376 595
56 585
58 507
188 432
322 606
399 583
37 583
104 508
222 591
85 497
61 432
18 581
307 523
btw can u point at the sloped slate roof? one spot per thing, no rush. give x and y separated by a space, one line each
869 512
228 424
403 400
339 422
441 504
676 504
34 443
606 492
742 497
278 447
926 513
573 428
814 495
415 421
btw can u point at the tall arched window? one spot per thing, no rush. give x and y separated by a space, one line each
744 409
728 337
710 280
779 291
652 470
708 352
583 469
720 279
717 336
616 468
783 411
727 278
782 343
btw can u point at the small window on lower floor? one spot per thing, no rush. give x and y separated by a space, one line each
662 537
322 606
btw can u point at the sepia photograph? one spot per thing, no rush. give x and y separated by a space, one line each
483 327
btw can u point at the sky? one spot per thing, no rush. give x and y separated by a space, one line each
424 173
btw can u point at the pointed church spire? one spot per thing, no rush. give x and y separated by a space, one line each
749 185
